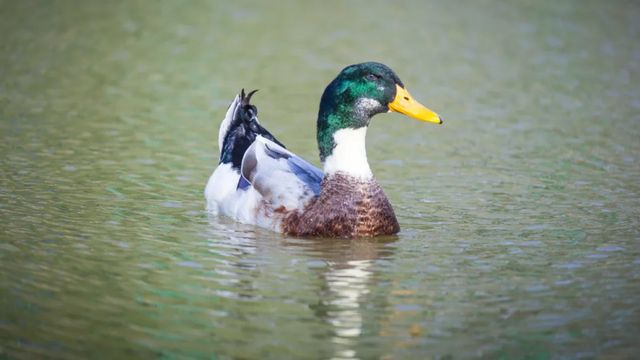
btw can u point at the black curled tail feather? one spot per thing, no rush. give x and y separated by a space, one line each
242 132
246 110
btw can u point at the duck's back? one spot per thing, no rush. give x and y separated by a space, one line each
346 207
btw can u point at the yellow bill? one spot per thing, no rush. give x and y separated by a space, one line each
404 103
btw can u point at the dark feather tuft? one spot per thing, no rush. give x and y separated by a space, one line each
243 131
247 99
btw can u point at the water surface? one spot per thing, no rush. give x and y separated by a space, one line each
519 215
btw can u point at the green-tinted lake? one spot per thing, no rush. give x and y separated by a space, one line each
520 215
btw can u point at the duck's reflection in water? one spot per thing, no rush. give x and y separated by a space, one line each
345 267
346 278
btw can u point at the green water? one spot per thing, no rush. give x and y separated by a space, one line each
520 214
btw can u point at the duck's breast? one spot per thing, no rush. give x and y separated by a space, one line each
346 207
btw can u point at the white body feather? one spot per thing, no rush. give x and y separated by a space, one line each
226 122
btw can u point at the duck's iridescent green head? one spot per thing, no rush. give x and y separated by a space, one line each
358 93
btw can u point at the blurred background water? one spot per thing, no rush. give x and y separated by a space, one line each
519 215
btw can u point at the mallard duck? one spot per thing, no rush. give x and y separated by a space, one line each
258 181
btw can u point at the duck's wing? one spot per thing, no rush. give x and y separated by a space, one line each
281 177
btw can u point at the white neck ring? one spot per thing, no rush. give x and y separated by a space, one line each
349 156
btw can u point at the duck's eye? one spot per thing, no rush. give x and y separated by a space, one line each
372 77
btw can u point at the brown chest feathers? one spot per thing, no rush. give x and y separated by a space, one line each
346 207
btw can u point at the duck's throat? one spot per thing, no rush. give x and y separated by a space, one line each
349 155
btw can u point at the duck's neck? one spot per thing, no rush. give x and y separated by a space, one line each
343 119
349 154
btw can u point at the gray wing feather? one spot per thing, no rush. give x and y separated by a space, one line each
271 169
311 175
305 171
